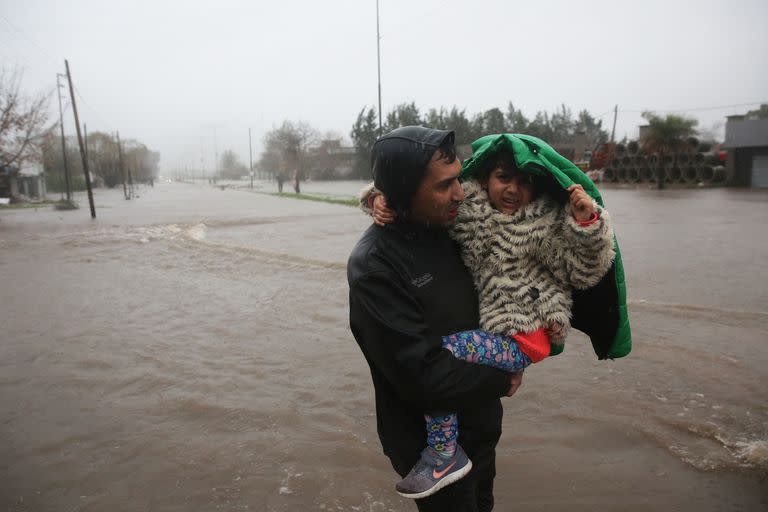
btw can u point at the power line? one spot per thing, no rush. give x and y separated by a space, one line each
698 109
93 110
25 36
13 52
48 56
20 32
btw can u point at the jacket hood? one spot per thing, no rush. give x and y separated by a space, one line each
532 155
399 160
601 311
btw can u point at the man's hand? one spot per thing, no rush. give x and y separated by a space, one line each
515 380
382 214
581 203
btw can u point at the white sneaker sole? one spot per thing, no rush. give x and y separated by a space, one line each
453 477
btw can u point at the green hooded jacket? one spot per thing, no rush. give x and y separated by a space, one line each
600 312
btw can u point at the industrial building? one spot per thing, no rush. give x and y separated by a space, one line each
746 141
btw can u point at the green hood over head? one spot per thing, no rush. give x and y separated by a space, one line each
601 311
532 155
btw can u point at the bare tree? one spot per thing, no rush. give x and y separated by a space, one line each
289 144
230 166
141 160
103 159
22 120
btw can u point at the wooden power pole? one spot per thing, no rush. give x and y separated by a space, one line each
63 143
80 142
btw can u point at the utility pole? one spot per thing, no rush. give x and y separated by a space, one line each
63 143
378 60
80 142
613 130
122 168
250 156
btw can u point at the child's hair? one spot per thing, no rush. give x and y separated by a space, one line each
505 160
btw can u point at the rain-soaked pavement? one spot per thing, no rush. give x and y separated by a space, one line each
190 350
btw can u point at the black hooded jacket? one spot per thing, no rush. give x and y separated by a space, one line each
408 287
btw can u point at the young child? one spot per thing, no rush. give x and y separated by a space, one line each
528 244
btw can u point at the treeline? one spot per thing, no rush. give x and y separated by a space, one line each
293 147
108 162
558 127
290 148
297 147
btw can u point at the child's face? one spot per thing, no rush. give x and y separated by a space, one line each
508 191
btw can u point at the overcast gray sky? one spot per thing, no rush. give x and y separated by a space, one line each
189 77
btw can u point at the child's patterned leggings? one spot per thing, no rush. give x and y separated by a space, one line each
478 347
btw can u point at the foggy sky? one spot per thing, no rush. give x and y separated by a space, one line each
189 78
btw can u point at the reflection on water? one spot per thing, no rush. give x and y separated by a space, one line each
189 350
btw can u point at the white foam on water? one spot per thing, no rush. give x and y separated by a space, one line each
196 232
710 446
137 234
285 487
752 453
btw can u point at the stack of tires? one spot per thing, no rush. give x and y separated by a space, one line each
630 165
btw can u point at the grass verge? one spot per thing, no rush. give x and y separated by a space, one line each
320 198
38 204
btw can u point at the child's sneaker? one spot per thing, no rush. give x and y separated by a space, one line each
432 472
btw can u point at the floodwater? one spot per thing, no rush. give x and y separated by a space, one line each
190 350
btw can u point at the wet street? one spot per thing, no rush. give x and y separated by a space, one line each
190 350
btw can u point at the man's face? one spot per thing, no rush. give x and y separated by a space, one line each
437 199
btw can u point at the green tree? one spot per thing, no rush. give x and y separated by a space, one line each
540 126
476 127
457 121
558 127
561 125
364 133
516 121
437 119
493 122
665 136
404 114
593 129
